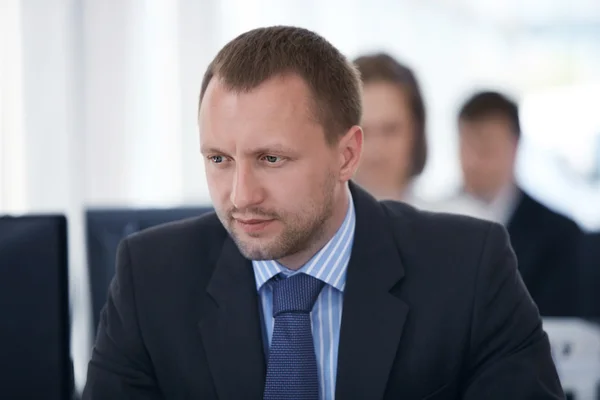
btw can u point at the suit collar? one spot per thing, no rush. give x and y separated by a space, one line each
231 328
372 318
521 231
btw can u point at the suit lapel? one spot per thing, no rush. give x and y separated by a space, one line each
523 238
373 318
231 328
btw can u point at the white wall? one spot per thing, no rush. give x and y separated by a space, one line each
133 120
12 140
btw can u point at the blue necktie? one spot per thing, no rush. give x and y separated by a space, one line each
292 367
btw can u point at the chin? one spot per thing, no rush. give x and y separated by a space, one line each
257 254
254 248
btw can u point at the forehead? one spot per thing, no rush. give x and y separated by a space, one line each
278 109
382 99
492 128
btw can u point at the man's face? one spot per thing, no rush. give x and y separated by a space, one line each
488 150
274 180
389 140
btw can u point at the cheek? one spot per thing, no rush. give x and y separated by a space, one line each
293 181
405 148
399 153
304 181
285 196
472 168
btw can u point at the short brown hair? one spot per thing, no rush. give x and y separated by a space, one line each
487 104
260 54
381 67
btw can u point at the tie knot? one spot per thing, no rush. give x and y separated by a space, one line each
296 294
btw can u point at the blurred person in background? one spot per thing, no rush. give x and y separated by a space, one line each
393 121
545 242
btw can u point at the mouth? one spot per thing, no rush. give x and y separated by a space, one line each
253 225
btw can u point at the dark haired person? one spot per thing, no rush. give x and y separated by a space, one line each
302 285
393 122
546 243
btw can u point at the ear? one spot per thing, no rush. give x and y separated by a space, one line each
350 149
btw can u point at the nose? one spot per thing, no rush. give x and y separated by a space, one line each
246 191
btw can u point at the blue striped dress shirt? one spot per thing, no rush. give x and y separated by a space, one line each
329 265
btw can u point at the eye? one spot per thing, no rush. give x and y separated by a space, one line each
271 159
216 159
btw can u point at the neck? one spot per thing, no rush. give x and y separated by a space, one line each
297 260
493 195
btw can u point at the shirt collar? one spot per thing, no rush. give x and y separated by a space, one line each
329 264
498 210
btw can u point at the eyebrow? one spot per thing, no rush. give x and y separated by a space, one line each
275 148
210 150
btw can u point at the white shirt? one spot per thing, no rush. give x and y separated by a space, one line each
500 209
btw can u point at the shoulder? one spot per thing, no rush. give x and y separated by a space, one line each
437 248
429 226
166 266
203 230
180 243
547 218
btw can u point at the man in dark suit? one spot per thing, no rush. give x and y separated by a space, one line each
302 285
546 243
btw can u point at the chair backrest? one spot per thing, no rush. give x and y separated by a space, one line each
35 356
105 230
576 351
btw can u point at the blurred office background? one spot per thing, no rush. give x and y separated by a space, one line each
98 98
